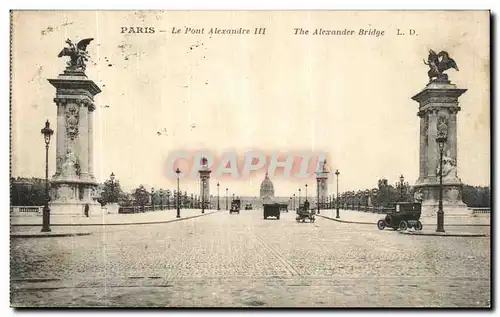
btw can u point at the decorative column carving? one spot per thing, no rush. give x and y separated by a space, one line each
72 114
61 139
83 140
452 131
91 108
423 141
432 148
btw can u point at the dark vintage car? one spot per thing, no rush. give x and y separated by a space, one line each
235 206
248 207
272 210
271 207
304 213
402 215
284 207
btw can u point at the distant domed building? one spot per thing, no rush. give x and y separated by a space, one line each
266 188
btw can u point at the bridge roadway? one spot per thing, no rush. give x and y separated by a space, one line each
223 260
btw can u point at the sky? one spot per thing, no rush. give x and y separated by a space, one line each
347 96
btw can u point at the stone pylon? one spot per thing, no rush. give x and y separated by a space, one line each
322 182
74 181
438 106
205 184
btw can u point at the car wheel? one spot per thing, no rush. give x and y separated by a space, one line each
419 226
403 225
381 224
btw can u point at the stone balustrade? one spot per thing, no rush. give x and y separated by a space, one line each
475 210
26 210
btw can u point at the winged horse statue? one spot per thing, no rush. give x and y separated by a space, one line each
78 54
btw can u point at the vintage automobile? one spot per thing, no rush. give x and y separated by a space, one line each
284 207
271 207
402 215
272 210
304 213
248 207
235 206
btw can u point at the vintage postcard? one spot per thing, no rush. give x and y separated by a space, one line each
250 159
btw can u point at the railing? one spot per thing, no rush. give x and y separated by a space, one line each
141 209
136 209
365 208
26 210
478 210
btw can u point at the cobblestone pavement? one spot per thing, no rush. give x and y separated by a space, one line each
244 261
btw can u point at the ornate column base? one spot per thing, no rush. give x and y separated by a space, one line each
452 199
69 197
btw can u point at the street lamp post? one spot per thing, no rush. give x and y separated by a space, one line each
306 191
203 182
112 178
293 208
337 173
226 198
218 197
367 199
401 185
152 198
161 199
441 140
178 171
298 208
317 187
47 133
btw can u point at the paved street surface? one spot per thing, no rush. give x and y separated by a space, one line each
244 261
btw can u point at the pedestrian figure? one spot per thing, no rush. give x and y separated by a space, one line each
86 210
306 205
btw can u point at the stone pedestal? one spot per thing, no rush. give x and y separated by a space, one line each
322 186
205 189
74 180
438 106
112 208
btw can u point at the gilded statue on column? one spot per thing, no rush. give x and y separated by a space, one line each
438 64
78 54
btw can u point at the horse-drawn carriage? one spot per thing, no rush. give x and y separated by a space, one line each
403 215
235 206
304 213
